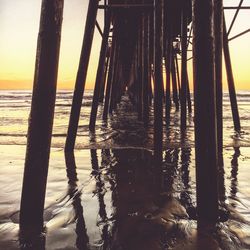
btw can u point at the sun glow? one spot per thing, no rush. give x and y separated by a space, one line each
19 24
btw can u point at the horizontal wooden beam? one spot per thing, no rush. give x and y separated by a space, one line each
240 34
236 7
99 28
125 6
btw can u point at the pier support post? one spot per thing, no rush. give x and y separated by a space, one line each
178 74
174 83
140 69
189 97
168 66
183 94
147 71
81 75
41 117
115 79
230 79
205 111
104 79
113 56
100 74
218 34
158 79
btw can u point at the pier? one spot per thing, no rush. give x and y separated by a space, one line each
144 53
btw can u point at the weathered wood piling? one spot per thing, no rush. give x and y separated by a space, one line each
100 73
158 78
206 149
218 34
230 79
41 117
184 66
81 75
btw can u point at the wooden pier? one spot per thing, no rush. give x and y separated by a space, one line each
141 41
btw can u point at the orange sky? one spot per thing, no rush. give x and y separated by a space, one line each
19 24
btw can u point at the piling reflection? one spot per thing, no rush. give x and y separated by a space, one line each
221 184
186 191
82 239
170 169
234 173
137 208
145 211
100 192
137 224
223 209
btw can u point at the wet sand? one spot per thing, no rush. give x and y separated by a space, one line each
118 199
113 196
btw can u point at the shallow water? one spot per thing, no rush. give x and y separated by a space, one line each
110 195
122 129
116 199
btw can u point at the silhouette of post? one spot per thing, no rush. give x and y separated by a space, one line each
178 74
174 83
168 77
41 117
158 78
114 82
189 97
205 112
183 94
218 33
230 79
168 56
82 239
100 74
104 79
140 56
147 70
113 52
81 74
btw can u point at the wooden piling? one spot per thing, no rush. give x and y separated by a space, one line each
189 103
183 94
147 71
41 117
205 112
109 80
178 74
230 79
174 84
100 74
81 75
114 82
104 79
218 34
140 58
168 54
158 79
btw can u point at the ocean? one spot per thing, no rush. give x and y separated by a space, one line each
123 128
110 201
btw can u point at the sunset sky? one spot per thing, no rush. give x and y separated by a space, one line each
19 24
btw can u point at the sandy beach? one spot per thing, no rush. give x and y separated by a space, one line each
112 200
110 195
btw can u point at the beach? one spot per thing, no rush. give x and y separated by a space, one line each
110 195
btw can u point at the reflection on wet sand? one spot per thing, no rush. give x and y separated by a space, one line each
82 240
145 210
100 192
122 204
234 173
